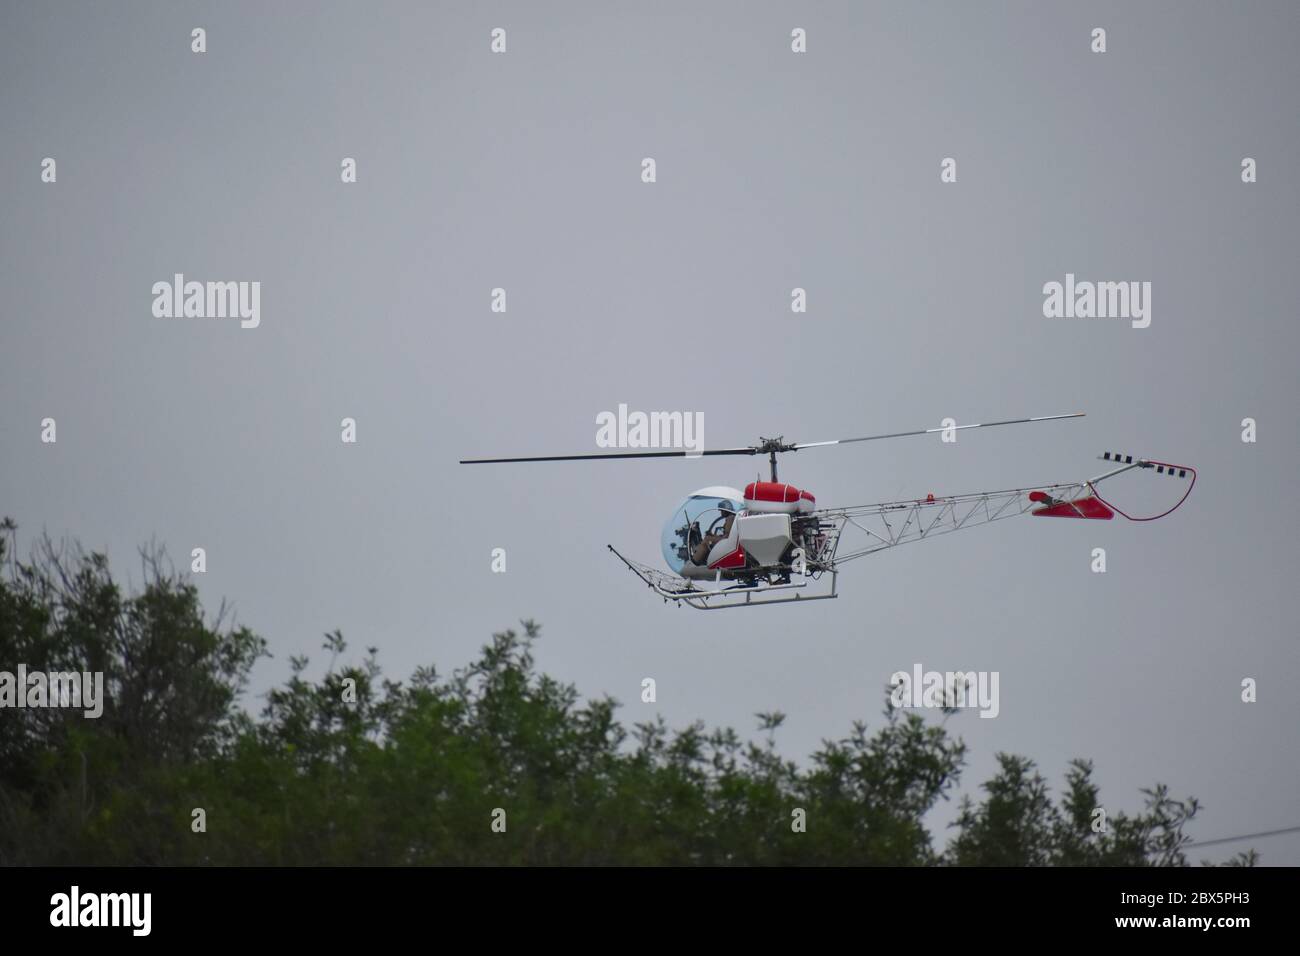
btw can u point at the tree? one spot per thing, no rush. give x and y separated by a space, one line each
353 768
170 685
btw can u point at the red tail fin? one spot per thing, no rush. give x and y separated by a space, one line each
1089 507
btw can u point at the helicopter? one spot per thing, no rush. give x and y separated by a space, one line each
769 543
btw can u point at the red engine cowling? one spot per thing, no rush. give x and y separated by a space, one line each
775 497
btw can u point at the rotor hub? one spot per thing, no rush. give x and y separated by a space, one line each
767 446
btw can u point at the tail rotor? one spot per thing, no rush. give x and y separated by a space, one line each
1127 462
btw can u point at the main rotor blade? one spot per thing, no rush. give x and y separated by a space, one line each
611 455
931 431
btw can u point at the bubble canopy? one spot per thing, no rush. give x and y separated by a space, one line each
693 519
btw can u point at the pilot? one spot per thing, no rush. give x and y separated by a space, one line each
701 553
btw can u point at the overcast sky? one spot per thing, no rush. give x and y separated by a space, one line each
775 170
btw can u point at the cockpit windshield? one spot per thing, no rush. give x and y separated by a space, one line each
699 515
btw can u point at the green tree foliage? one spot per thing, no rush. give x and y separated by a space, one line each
352 768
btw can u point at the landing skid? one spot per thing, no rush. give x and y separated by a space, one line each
681 591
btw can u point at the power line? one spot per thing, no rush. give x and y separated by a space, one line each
1244 836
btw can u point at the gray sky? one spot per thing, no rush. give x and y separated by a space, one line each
775 170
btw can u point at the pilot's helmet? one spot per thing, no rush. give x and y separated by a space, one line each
727 507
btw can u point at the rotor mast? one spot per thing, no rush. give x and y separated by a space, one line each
772 447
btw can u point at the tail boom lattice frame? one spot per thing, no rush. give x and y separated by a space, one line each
892 523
